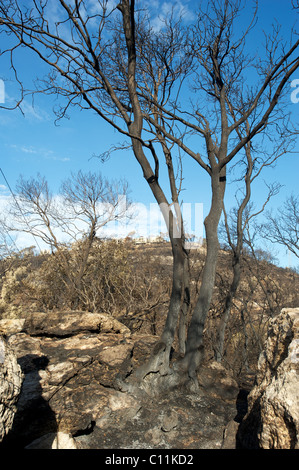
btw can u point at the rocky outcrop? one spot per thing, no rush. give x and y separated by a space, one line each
70 364
272 421
10 386
70 399
61 324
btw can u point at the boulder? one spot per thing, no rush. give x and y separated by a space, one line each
70 323
11 326
61 324
230 435
70 396
11 378
272 421
68 381
60 440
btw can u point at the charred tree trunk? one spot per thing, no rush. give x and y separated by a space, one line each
159 362
194 344
160 359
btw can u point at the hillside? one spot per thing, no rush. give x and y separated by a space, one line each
132 283
76 364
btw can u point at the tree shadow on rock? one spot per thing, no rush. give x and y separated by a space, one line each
34 417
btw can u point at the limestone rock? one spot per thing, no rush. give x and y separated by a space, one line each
272 421
11 379
11 326
68 381
70 394
62 324
60 440
170 421
70 323
229 435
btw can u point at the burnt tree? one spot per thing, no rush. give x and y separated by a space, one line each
137 77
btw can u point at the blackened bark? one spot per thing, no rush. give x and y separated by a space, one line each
160 358
194 345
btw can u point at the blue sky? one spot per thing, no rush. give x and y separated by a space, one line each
33 143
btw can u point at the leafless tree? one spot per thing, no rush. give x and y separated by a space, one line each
7 250
237 223
113 62
283 227
86 202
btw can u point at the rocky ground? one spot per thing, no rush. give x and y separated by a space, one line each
69 399
59 376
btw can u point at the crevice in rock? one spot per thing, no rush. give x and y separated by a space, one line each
63 336
291 428
67 379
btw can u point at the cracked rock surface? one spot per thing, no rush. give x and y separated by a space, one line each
11 378
272 421
69 398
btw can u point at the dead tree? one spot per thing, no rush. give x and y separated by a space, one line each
135 78
283 227
237 223
86 202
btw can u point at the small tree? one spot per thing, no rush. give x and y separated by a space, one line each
86 203
7 248
113 62
104 284
283 227
237 224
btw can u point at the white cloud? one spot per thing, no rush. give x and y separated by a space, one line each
95 8
57 159
34 112
30 110
166 9
5 201
141 221
41 152
28 149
